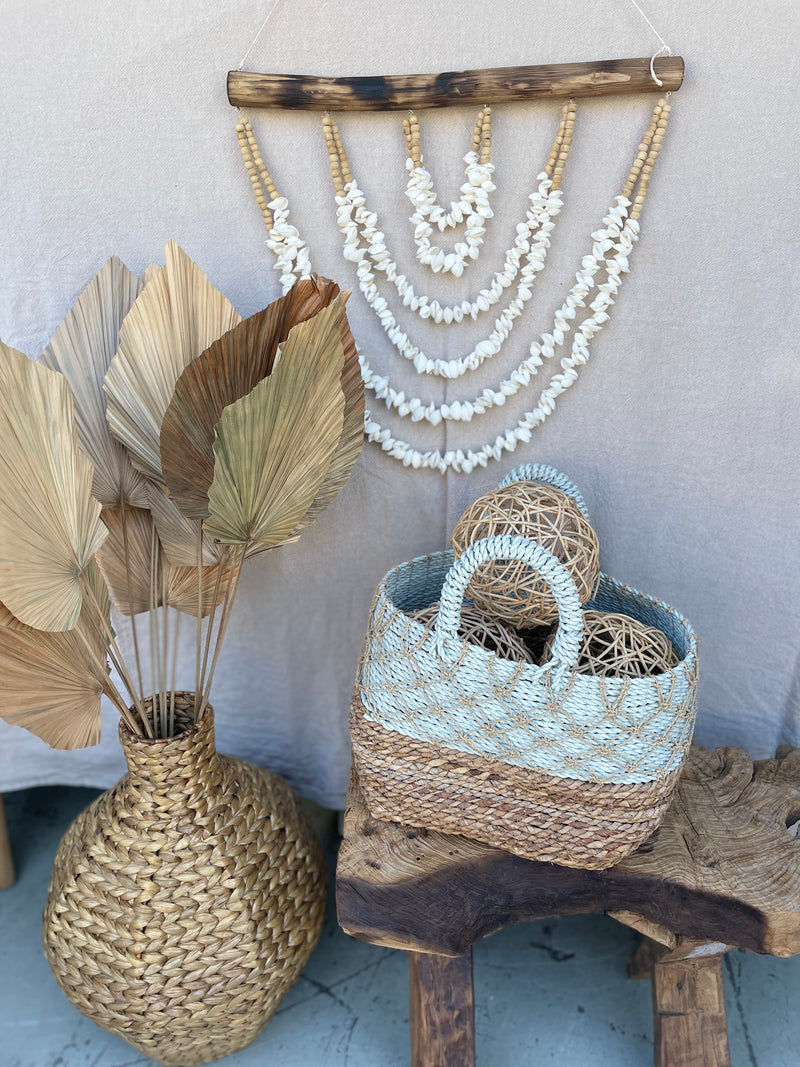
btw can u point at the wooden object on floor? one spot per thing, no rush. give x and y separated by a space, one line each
688 999
442 1010
7 873
723 867
496 85
690 1027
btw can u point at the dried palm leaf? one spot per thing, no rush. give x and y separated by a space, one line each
273 447
49 524
176 317
178 534
182 588
128 582
100 599
82 349
52 682
150 272
228 370
131 580
352 439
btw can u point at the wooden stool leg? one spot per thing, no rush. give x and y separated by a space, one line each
442 1010
689 1013
7 874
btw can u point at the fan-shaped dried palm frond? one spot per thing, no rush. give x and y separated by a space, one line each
352 439
228 370
100 599
178 534
149 272
182 588
52 682
126 560
82 349
176 317
49 524
274 447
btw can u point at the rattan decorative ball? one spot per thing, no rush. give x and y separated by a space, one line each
619 645
509 589
481 629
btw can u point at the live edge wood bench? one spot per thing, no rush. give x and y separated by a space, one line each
722 871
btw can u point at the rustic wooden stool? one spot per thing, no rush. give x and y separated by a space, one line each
722 871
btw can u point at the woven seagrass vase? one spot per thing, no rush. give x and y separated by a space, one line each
186 899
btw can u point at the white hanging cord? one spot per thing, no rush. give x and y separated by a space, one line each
263 26
665 48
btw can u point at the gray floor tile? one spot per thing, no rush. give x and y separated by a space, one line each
549 992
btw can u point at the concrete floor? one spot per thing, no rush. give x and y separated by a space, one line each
547 992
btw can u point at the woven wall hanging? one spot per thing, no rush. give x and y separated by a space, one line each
448 238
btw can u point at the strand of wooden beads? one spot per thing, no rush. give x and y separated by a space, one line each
486 136
647 169
334 159
253 171
642 151
414 151
344 162
477 135
569 130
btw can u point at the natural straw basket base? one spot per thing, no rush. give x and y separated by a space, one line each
185 900
532 814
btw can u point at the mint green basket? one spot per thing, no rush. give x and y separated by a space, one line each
427 687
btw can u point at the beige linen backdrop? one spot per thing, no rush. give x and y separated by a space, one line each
683 429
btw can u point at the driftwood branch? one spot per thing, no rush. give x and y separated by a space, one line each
498 85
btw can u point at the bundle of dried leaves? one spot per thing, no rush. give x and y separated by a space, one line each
160 441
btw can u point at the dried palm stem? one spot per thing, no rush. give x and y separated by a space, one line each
174 672
227 607
114 653
164 659
129 581
211 624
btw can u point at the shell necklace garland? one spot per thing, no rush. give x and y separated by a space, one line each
473 205
619 233
355 221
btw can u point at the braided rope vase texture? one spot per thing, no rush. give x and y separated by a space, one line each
186 899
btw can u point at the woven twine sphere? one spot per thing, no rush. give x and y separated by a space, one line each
186 899
510 589
619 645
478 628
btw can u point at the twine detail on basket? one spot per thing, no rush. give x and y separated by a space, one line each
616 644
185 900
509 589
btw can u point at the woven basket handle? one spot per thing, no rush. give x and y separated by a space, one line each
566 646
540 472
